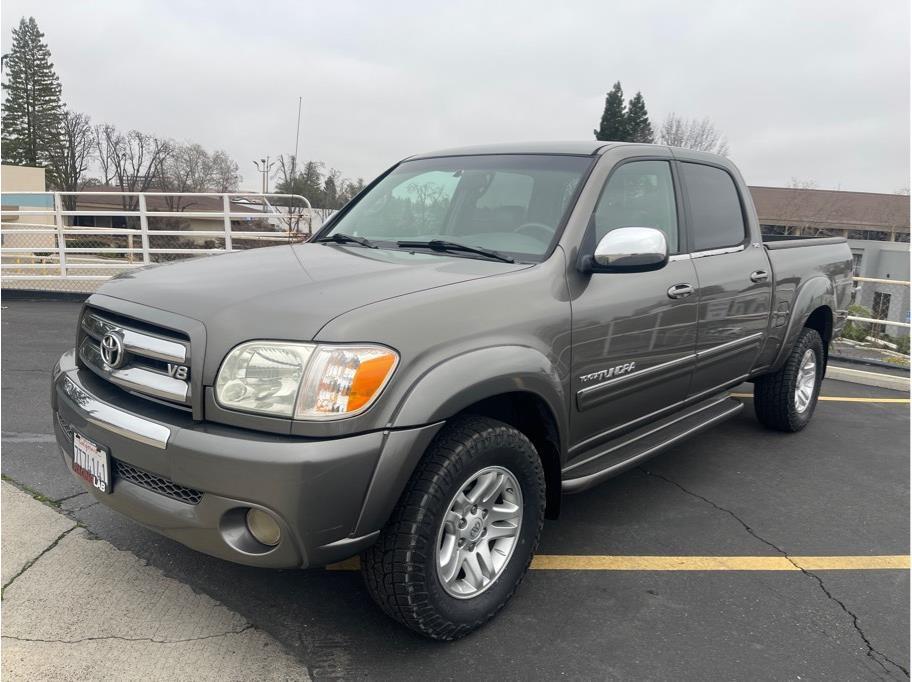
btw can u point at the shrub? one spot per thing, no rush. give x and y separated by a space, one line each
857 331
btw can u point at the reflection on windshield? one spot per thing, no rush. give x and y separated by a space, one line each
512 204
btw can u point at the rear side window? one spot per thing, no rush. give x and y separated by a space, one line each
715 209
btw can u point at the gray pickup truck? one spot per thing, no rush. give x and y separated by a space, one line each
478 332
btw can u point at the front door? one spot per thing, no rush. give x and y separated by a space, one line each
633 342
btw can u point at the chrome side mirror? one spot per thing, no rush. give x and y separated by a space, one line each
630 249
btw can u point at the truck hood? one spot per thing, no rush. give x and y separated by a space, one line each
288 292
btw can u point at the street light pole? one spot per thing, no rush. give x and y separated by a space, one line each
264 166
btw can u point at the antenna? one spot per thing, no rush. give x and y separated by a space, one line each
297 140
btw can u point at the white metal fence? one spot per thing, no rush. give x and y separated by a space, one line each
52 252
874 321
51 247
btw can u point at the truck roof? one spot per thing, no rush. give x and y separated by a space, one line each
578 147
572 147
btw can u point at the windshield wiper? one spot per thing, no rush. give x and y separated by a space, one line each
340 238
444 245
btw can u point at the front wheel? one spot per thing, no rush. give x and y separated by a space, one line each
785 400
463 533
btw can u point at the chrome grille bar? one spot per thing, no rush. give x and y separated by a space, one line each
135 378
134 341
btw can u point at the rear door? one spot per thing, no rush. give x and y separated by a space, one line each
733 274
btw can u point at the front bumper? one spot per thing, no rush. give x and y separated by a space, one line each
329 497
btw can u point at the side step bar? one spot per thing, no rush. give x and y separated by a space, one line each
640 445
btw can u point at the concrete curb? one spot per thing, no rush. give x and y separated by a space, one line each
77 608
41 295
876 379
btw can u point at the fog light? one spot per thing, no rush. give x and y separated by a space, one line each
263 527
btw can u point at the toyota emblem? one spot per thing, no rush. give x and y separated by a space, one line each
112 351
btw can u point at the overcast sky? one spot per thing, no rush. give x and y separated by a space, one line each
814 90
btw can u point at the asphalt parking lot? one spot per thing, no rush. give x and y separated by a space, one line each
839 489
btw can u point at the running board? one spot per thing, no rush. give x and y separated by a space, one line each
640 445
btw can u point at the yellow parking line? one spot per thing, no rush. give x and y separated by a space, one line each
841 399
552 562
569 562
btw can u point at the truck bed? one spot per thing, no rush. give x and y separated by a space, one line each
807 272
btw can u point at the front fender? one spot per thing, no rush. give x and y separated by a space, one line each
444 391
451 386
815 292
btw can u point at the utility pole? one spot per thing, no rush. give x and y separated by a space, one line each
264 166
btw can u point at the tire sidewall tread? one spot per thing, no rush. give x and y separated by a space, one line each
400 571
774 394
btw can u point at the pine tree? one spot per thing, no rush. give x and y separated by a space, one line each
32 111
639 129
613 125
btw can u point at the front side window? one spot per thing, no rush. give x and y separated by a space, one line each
639 194
715 208
511 203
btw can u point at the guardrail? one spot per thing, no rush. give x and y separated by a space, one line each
49 256
94 263
869 320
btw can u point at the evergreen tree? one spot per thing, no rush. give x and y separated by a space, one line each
613 125
639 129
32 111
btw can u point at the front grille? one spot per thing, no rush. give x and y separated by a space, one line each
144 359
155 483
67 429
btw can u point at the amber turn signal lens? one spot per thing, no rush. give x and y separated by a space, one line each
368 379
344 380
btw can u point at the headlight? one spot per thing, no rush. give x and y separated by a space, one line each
303 380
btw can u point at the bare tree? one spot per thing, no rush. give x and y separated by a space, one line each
802 210
71 156
692 133
131 161
797 183
350 188
187 168
105 134
292 181
225 175
332 186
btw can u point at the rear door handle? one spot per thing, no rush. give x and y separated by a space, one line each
680 291
759 276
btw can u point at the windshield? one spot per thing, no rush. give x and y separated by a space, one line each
512 204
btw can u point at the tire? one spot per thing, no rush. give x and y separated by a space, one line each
401 569
775 401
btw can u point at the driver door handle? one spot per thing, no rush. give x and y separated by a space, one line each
680 290
759 276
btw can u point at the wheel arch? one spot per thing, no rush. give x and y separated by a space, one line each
813 307
529 414
515 384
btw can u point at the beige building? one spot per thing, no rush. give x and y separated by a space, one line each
16 179
876 226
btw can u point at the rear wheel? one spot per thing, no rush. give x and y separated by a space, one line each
464 532
785 400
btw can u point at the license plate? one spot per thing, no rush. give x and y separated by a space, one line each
92 462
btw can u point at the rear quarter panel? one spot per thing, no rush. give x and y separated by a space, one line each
807 274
